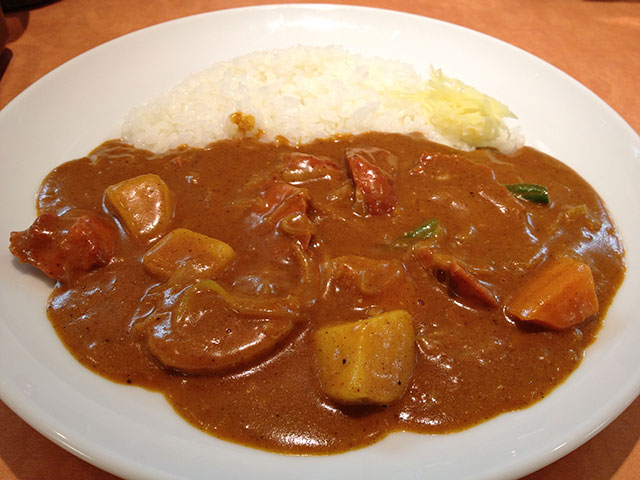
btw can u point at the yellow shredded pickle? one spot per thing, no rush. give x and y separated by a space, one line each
459 111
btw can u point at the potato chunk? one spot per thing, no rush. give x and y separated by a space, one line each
560 295
143 204
182 246
368 361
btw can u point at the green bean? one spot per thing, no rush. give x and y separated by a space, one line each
530 191
426 230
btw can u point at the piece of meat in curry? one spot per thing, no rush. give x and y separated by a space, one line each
314 299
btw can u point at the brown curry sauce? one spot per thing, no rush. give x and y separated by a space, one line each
472 362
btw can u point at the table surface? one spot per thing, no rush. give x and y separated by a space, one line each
596 42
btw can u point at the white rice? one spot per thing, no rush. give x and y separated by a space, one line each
300 93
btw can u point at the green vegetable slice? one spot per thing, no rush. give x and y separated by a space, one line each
530 191
427 230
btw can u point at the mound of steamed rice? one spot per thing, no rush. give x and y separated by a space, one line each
306 93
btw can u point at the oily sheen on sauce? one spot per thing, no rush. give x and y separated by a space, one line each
472 362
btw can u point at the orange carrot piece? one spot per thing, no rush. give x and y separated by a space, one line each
560 295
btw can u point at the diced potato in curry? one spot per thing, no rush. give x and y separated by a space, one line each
368 361
181 246
239 358
560 295
143 204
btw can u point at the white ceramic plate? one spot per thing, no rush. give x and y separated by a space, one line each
134 433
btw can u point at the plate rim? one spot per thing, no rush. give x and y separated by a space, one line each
13 401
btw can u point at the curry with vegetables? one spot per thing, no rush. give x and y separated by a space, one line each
313 299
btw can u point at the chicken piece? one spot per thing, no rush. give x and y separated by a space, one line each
143 204
207 332
373 171
284 207
368 361
357 283
369 276
302 167
559 296
63 246
449 270
205 255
